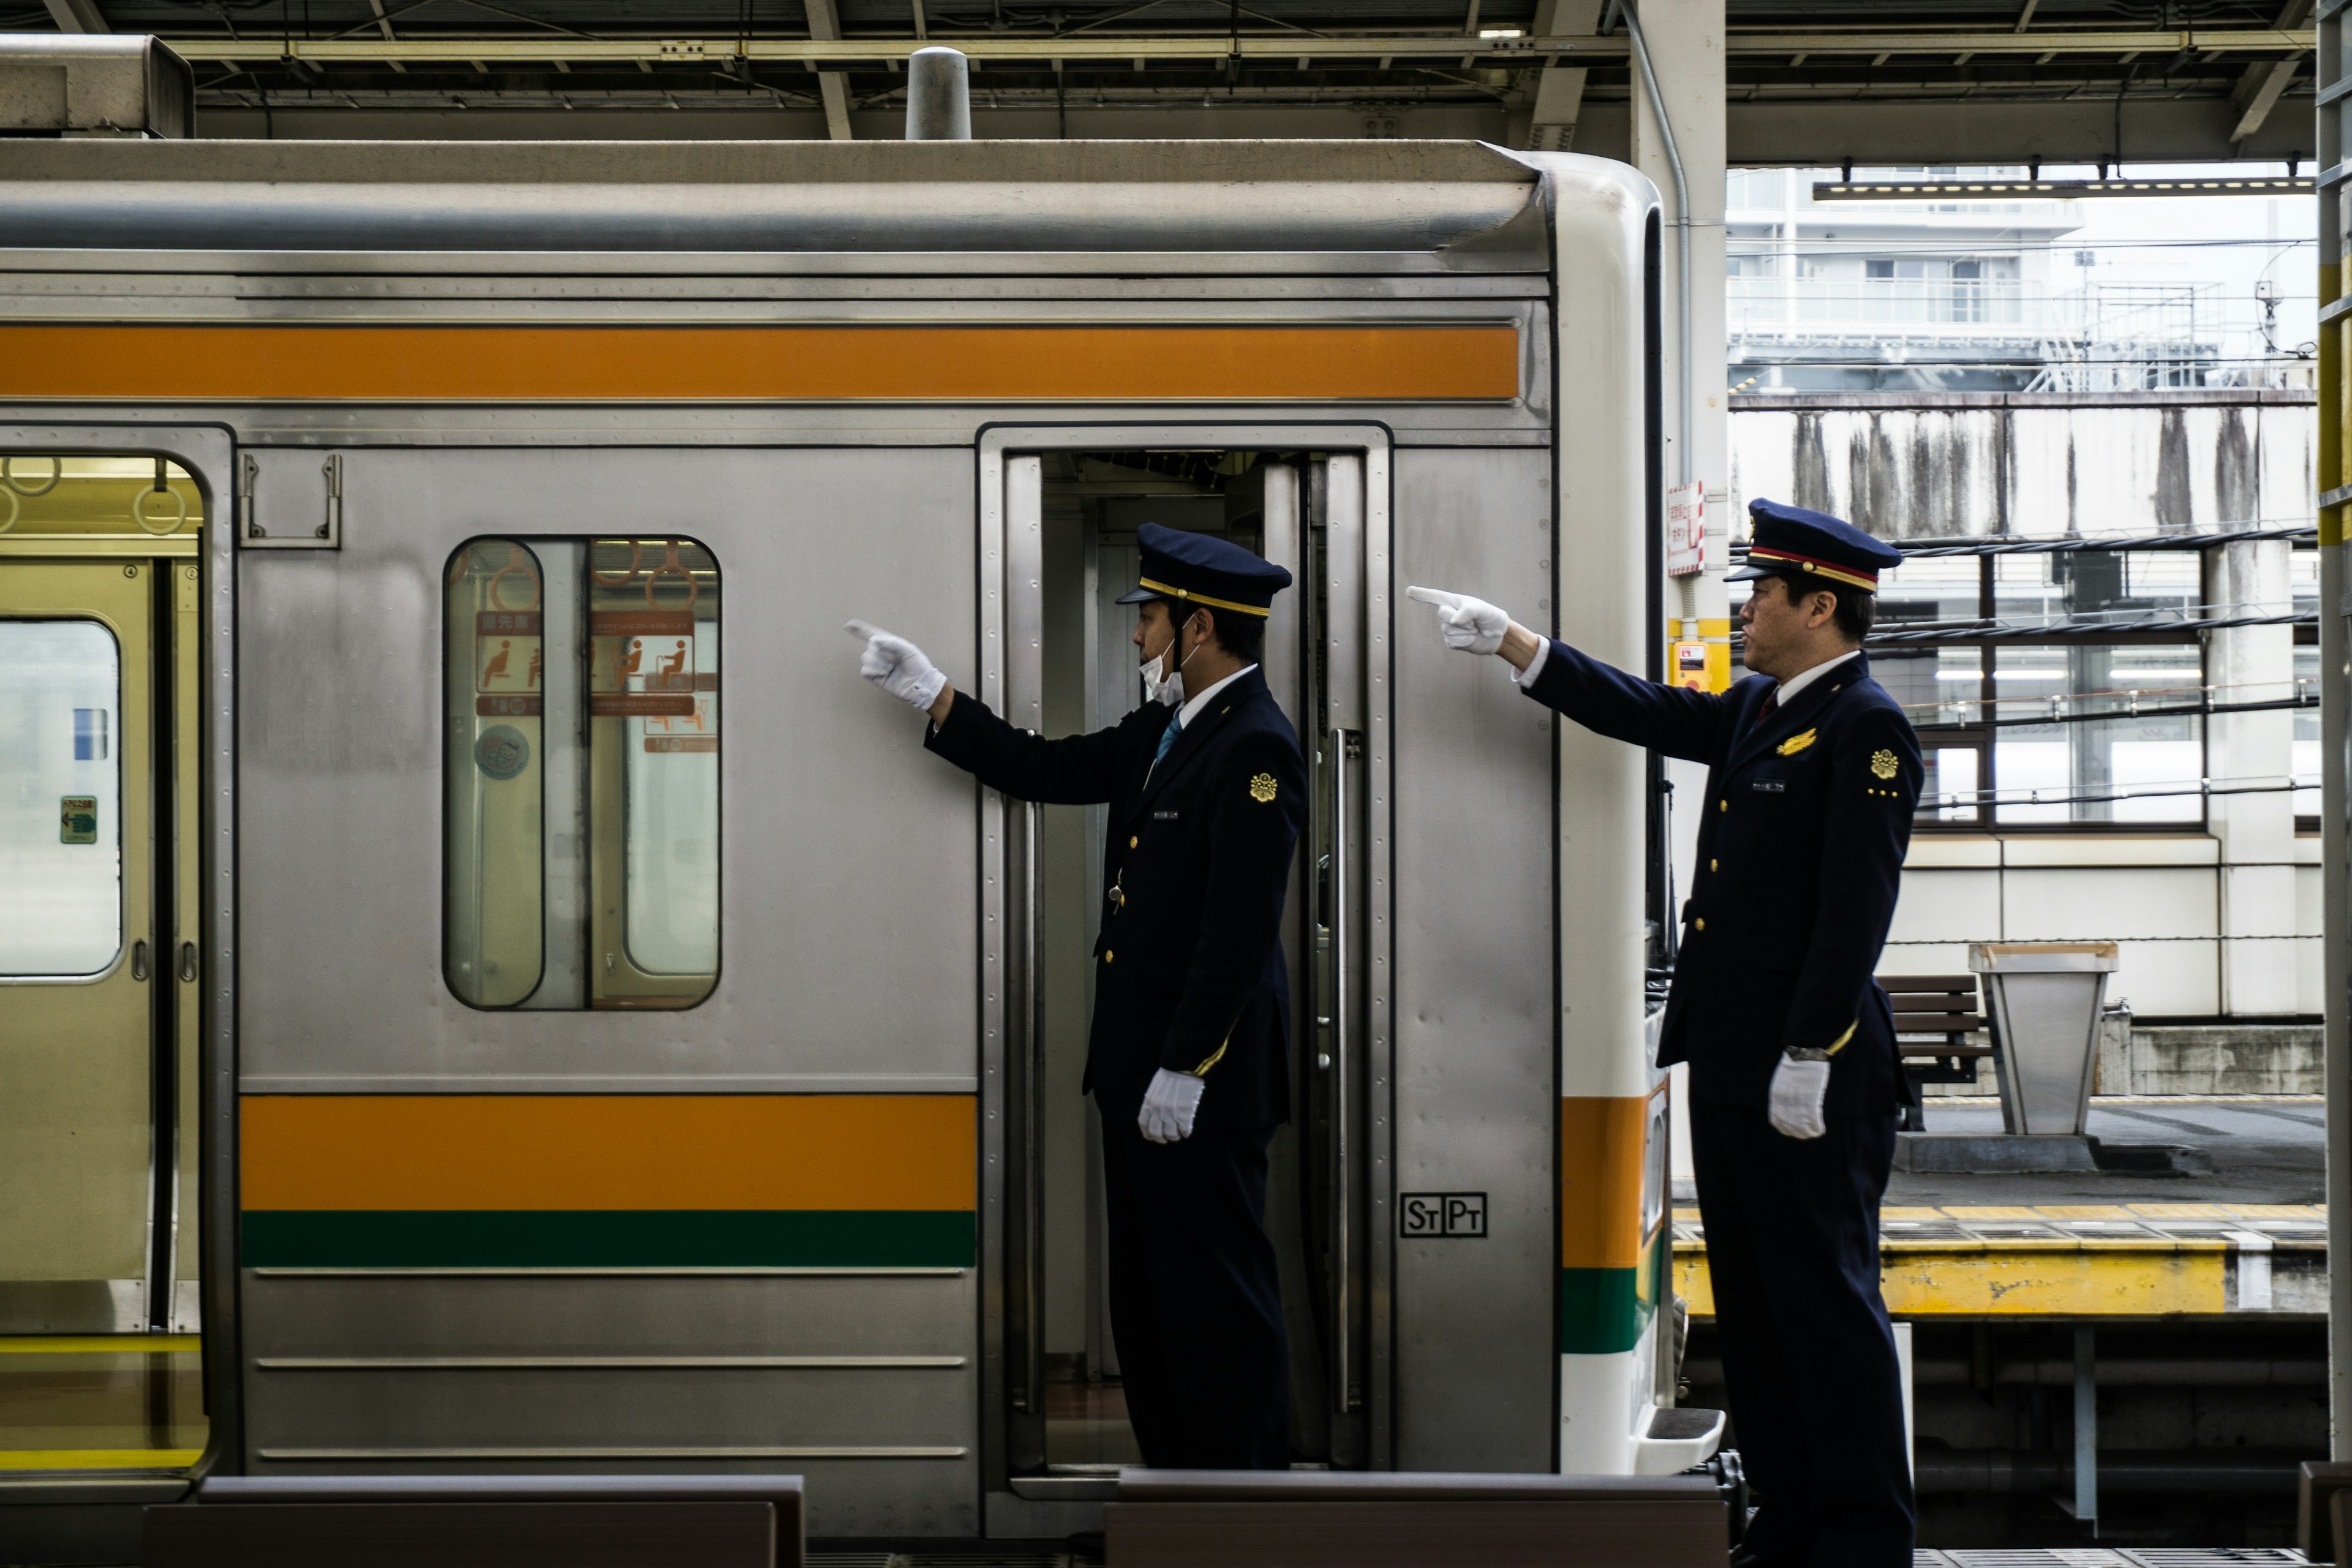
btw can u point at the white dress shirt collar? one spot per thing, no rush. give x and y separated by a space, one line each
1193 705
1796 683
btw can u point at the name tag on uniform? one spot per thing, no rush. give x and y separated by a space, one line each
1769 786
1163 816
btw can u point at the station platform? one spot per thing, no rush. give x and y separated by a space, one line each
2249 1236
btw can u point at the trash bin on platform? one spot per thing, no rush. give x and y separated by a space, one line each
2044 999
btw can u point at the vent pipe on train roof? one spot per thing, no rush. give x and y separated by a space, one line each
939 95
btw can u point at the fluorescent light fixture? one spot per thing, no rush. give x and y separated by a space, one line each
2057 190
1501 33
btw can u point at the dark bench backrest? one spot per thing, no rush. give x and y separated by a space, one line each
1944 1005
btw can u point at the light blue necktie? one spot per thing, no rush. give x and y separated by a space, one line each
1167 739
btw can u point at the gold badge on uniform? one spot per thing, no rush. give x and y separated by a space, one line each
1262 788
1882 764
1795 743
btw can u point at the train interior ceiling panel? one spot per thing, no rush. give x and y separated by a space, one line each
503 996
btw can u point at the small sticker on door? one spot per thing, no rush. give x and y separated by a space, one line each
1448 1215
78 819
502 752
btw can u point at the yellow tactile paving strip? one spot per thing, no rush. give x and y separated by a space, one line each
2068 1260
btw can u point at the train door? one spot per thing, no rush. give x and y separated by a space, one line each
1069 525
99 1367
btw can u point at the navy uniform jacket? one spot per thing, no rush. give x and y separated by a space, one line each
1801 845
1188 968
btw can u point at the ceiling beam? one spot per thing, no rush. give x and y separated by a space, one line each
2258 92
819 53
1816 134
76 16
832 87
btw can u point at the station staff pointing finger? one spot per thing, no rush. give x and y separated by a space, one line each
1813 773
1188 1058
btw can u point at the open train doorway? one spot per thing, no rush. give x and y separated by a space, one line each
100 1367
1067 1422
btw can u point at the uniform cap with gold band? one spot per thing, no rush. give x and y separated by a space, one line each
1791 542
1202 569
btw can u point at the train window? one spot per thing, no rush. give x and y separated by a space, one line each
60 798
580 773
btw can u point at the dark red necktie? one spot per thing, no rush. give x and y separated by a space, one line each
1771 702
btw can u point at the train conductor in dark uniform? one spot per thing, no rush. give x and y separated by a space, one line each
1813 775
1187 1057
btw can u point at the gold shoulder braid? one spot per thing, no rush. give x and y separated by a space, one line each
1262 788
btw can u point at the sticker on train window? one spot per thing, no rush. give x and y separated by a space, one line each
580 773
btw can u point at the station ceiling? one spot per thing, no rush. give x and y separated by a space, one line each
1810 81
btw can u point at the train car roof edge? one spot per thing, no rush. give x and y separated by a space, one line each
1464 200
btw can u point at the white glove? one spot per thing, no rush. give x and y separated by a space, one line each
898 667
1471 625
1170 1105
1797 1090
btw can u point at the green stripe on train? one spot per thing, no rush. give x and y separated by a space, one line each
656 1238
1604 1311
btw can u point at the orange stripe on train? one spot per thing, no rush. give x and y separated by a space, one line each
761 363
1603 1141
752 1151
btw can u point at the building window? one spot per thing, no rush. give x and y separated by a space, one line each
580 773
2083 713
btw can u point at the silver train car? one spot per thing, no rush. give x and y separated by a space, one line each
501 988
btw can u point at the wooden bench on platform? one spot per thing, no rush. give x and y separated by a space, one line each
1370 1518
1934 1016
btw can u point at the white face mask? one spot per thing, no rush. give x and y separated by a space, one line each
1164 685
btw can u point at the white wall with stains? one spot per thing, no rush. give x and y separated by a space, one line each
1914 465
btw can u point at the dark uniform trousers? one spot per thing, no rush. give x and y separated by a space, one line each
1808 1360
1803 831
1189 976
1195 1305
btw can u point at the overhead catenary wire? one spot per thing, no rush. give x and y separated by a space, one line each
2053 544
1928 549
2080 628
2199 788
2129 714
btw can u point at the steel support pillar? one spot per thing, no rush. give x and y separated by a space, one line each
2336 887
1684 44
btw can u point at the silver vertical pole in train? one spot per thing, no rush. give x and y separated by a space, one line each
1033 1112
1343 626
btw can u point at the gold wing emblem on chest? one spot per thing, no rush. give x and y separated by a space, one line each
1795 743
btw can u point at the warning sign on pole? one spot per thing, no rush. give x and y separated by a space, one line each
1685 530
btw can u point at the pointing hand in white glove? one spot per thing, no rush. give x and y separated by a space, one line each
1798 1089
1170 1105
898 667
1470 626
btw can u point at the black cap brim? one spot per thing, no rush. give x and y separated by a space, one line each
1749 573
1137 596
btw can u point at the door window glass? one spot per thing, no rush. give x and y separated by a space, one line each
580 773
60 798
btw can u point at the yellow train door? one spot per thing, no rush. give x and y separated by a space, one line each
99 979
